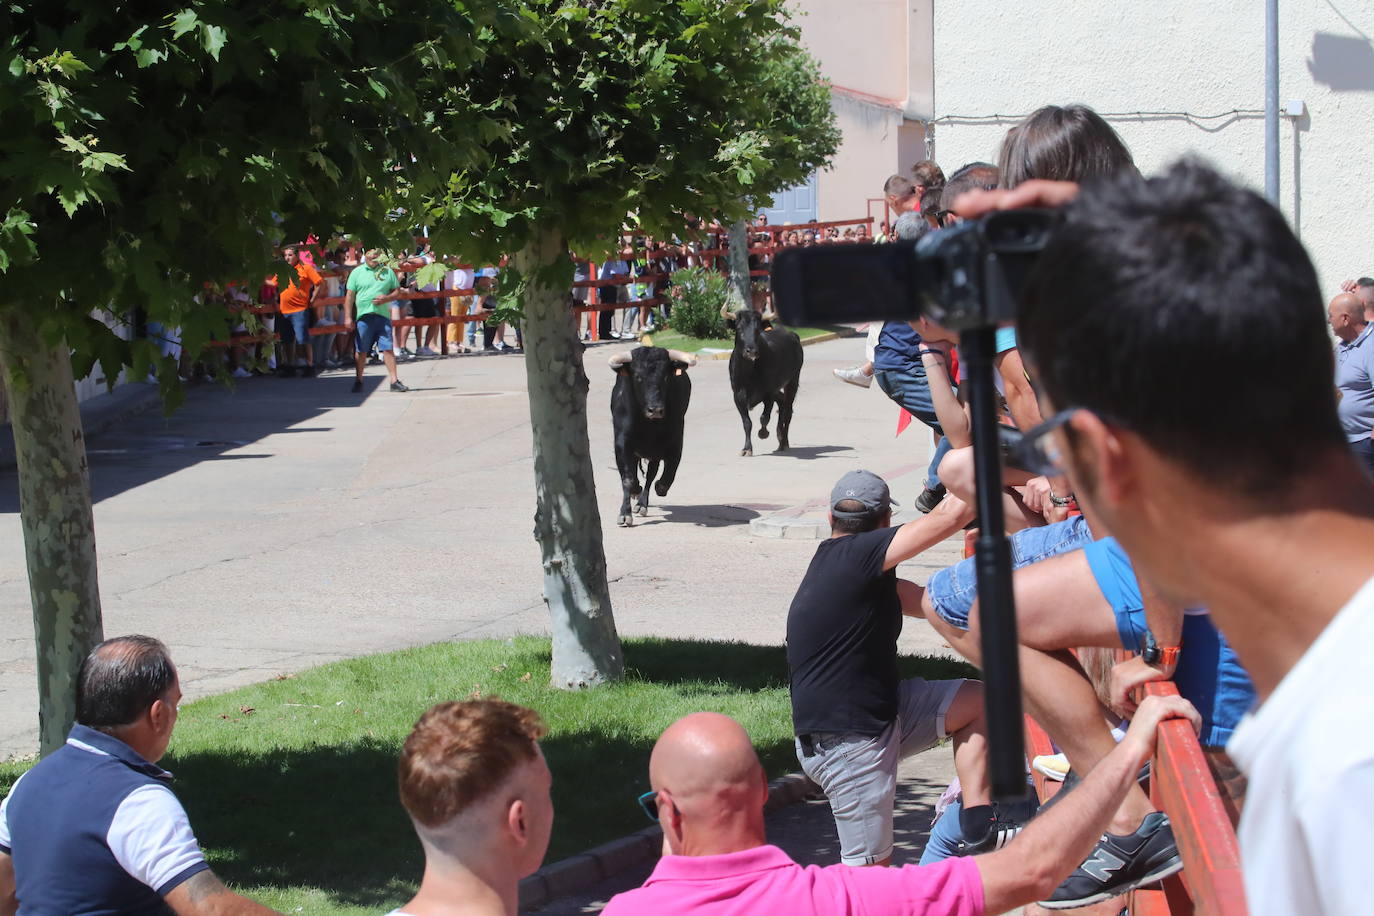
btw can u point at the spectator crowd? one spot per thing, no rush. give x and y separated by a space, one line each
1187 478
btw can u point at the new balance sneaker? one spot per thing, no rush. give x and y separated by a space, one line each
426 352
854 376
930 498
240 372
357 386
399 385
1119 864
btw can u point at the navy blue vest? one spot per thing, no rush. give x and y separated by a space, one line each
58 818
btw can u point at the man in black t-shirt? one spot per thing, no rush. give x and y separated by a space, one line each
853 716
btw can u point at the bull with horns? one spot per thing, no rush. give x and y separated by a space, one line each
765 368
648 411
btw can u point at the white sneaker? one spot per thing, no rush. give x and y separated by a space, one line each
854 376
1053 766
241 372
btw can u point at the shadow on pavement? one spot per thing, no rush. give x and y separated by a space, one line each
213 421
707 516
808 452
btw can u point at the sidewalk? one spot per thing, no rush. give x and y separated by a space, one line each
806 832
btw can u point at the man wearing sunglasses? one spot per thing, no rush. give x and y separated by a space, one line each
708 792
1254 507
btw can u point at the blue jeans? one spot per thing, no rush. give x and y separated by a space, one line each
912 392
953 589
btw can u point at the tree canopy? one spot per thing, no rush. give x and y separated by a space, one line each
150 150
595 112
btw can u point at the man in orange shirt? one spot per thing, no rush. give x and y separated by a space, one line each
294 328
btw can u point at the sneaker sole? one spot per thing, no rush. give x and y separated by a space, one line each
1048 773
1171 866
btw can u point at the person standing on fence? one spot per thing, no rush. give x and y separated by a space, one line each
460 278
1253 506
372 287
296 304
611 295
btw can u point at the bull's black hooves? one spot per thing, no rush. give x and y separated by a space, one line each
625 521
641 510
660 489
763 434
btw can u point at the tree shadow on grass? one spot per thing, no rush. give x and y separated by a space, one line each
328 816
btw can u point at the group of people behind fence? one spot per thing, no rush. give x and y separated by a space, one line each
1188 483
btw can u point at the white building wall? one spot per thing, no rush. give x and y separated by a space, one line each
1174 61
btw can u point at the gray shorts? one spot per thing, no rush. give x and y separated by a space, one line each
858 773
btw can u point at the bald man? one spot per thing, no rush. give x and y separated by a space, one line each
1354 374
709 791
1363 288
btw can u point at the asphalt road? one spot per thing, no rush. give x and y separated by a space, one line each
288 522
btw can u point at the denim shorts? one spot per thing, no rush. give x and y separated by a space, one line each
373 328
911 391
1208 675
295 327
953 590
858 773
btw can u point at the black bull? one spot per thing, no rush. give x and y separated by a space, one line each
648 408
765 367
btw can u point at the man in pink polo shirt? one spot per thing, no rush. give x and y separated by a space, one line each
709 790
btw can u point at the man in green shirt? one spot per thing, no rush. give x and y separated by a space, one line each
372 286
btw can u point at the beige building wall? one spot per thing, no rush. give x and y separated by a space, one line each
1178 77
877 56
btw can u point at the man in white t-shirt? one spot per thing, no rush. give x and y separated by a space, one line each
94 826
1176 324
476 787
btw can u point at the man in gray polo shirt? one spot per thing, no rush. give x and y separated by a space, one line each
1354 374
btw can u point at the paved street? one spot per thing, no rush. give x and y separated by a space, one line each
289 522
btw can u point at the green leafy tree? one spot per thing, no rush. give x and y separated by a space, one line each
602 112
153 153
798 136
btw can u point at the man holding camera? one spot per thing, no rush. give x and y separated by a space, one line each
1254 507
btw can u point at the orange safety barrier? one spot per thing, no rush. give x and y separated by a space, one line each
1183 786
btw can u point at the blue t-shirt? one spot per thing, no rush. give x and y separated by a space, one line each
898 349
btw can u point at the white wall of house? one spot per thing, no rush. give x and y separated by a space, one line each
1175 60
963 63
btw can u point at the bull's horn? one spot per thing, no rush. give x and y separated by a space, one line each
678 356
725 312
619 359
770 315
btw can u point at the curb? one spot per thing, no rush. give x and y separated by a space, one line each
819 338
97 415
577 873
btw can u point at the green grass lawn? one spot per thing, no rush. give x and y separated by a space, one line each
290 785
673 340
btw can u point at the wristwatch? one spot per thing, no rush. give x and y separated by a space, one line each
1154 654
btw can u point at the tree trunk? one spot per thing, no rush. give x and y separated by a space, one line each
567 519
738 252
55 512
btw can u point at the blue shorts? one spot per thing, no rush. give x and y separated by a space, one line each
373 328
1208 675
953 590
295 327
